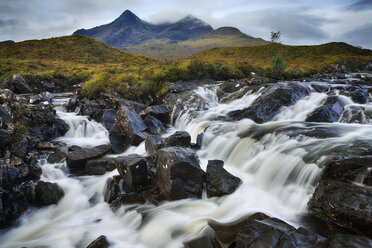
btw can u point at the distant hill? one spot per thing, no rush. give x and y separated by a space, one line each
303 58
76 48
167 41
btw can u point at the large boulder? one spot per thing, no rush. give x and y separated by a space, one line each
76 158
159 112
265 107
179 138
219 182
135 106
154 125
109 117
178 174
119 141
131 125
153 143
61 127
100 166
135 171
17 84
47 193
330 111
91 109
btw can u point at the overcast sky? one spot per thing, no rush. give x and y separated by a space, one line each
300 21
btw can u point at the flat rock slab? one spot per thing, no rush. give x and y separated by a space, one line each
77 157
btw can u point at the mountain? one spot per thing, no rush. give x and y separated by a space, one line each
303 58
169 40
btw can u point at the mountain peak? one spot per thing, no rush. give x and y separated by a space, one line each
192 19
128 17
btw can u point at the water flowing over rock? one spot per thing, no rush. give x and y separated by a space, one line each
270 102
48 193
100 242
329 112
178 174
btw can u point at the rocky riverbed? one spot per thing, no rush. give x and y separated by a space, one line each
247 163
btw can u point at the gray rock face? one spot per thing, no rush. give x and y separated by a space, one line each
135 171
48 193
179 138
153 143
76 159
5 138
17 84
219 181
178 174
111 190
269 103
100 166
330 111
109 117
119 142
61 127
5 117
159 112
154 125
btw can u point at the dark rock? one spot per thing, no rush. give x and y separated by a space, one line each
17 84
200 242
77 158
159 112
154 125
153 143
100 166
111 190
40 98
47 193
179 138
359 95
45 146
61 127
330 111
269 103
344 204
127 199
91 109
178 174
49 86
43 113
119 141
353 114
347 240
109 117
5 117
135 106
73 103
5 138
100 242
219 181
131 125
135 171
19 148
56 157
199 141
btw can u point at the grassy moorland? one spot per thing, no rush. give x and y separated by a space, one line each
78 59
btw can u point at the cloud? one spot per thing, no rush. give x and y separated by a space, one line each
361 36
360 5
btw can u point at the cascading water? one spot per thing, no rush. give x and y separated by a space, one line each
279 173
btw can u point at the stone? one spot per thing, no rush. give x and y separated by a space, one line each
56 157
179 138
76 159
119 141
109 117
135 171
347 240
330 111
100 166
178 174
219 182
47 193
127 199
100 242
159 112
200 242
5 138
111 190
5 117
61 127
153 143
154 125
17 84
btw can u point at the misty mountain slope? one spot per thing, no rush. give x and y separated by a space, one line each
167 41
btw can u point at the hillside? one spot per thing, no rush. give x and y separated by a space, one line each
303 58
166 41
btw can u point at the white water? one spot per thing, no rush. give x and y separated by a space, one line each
279 174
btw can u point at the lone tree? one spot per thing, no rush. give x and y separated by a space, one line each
277 63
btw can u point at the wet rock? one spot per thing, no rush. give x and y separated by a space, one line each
49 86
91 109
77 158
5 138
73 103
100 166
56 157
353 114
45 146
135 106
47 193
347 240
159 112
40 98
61 127
154 125
200 242
119 141
199 141
43 113
359 95
270 102
127 199
179 138
5 117
111 190
178 174
17 84
344 204
135 171
330 111
219 181
153 143
131 125
109 117
100 242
